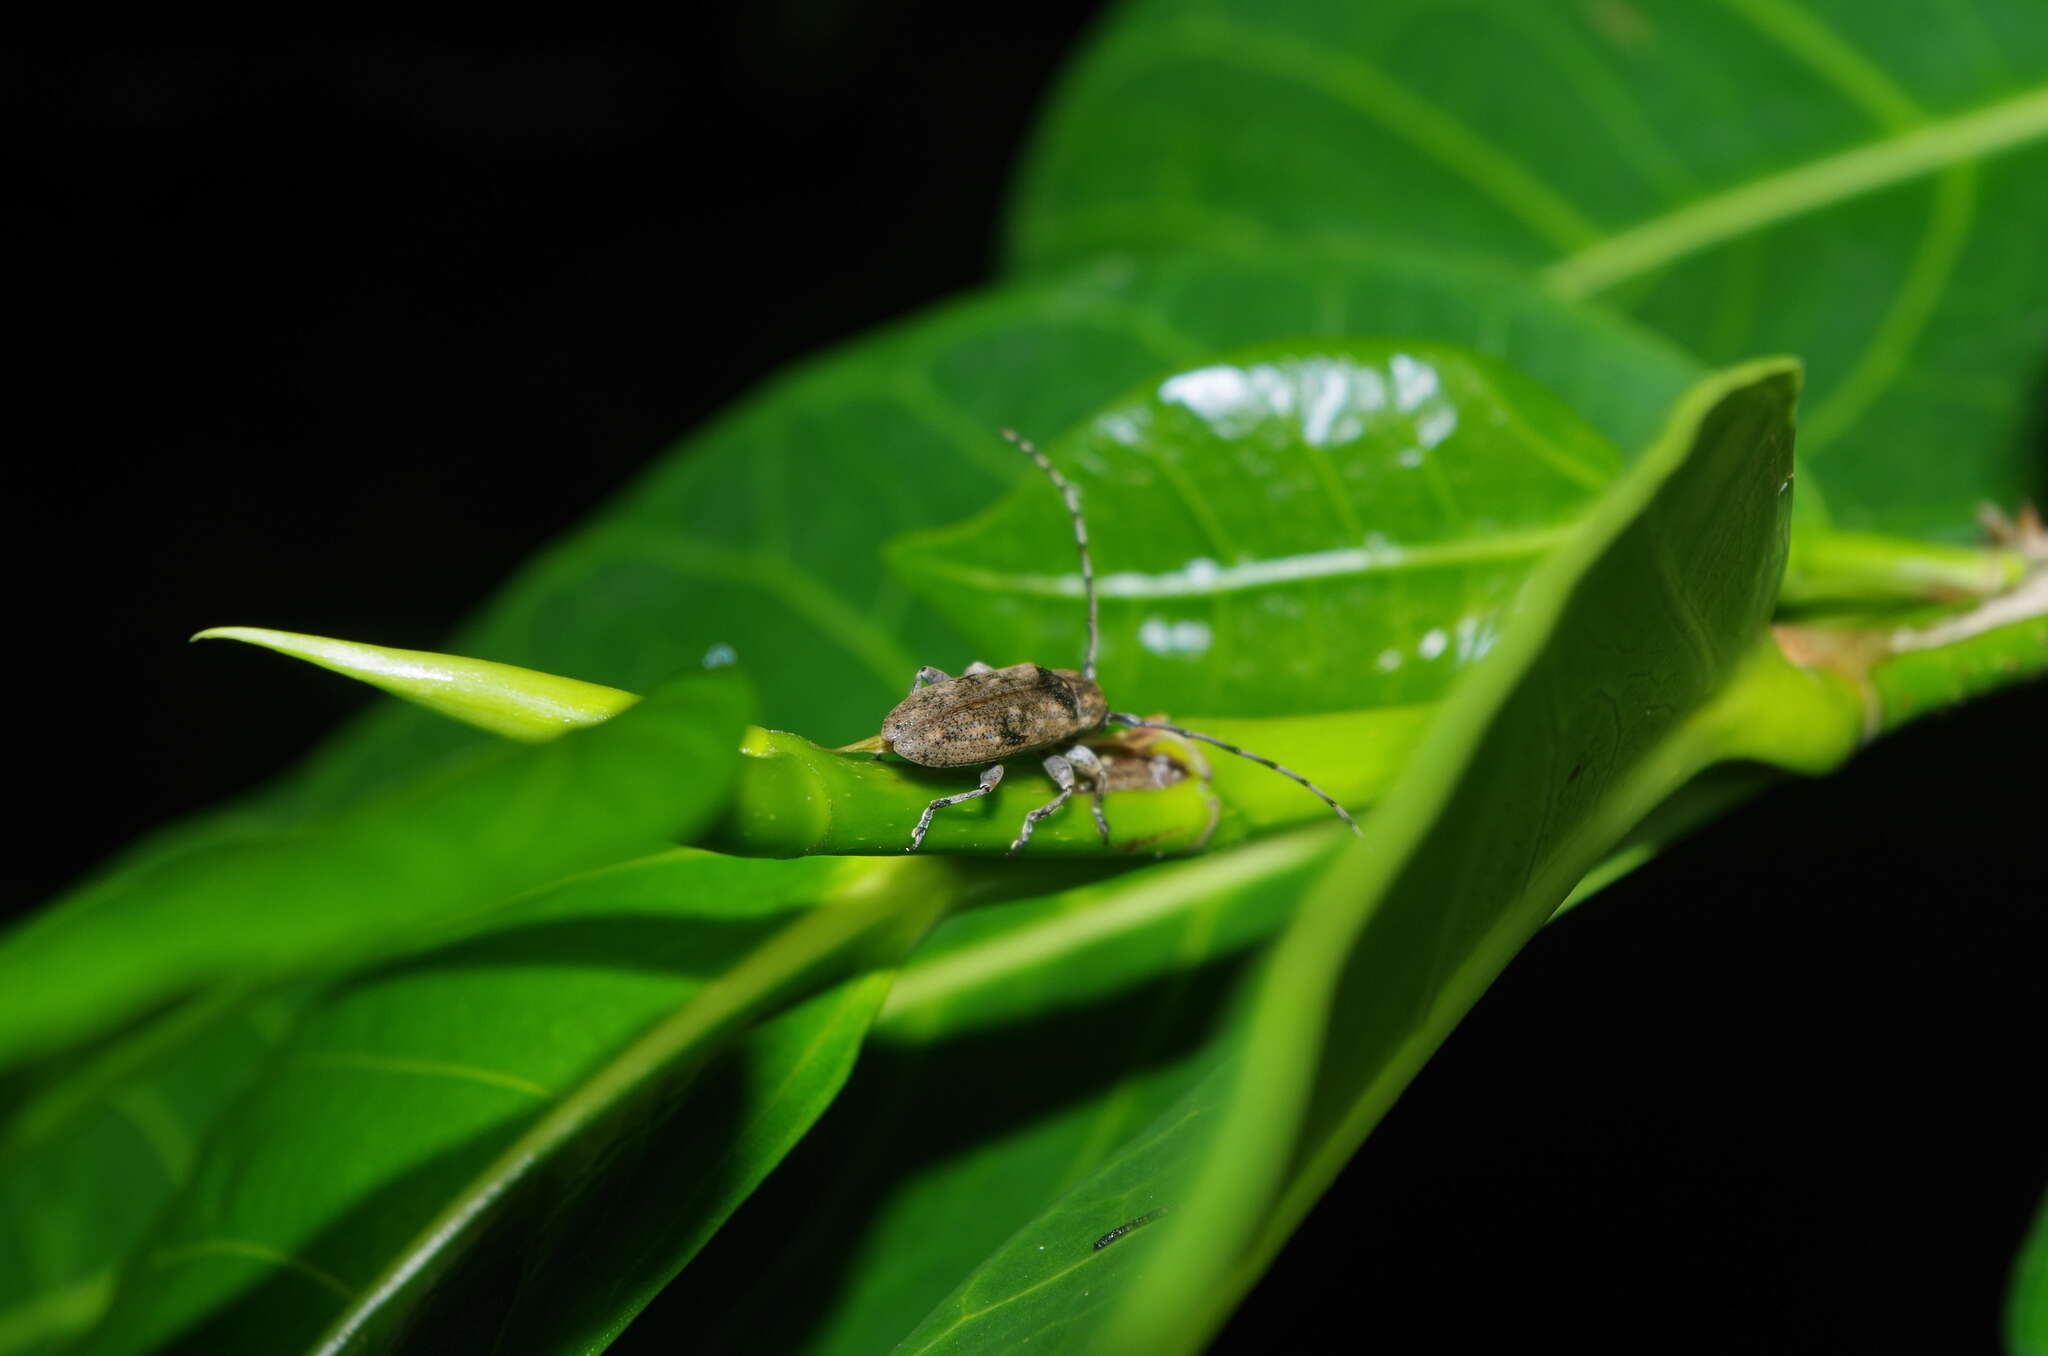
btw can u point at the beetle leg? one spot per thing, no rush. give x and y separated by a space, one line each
927 674
990 776
1090 766
978 667
1062 772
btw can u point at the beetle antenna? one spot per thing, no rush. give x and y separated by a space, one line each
1343 814
1073 498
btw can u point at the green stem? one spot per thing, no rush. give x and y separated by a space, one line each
1854 569
1928 668
1900 673
1851 685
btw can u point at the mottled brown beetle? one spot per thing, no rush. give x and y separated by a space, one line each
987 715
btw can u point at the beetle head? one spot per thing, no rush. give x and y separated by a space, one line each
1089 702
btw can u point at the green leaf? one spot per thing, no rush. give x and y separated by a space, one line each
462 1096
794 798
1021 1046
1309 527
514 702
1038 1040
763 537
88 1160
1597 700
2026 1307
441 850
1844 181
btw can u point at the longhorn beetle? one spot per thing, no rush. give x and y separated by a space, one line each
987 714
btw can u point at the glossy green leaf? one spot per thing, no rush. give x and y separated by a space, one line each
705 560
668 578
440 850
1862 185
1304 528
96 1151
1024 1058
763 537
793 798
501 698
1029 1044
459 1097
1021 1046
1593 701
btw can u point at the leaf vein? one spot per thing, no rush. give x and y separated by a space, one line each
1365 88
1919 294
1661 240
251 1250
1823 51
156 1122
1249 575
424 1068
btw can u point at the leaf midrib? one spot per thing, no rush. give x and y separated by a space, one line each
1605 260
874 902
1660 240
1246 576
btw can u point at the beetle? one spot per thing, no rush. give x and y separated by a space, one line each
986 715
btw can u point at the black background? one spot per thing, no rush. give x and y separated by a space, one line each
328 337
